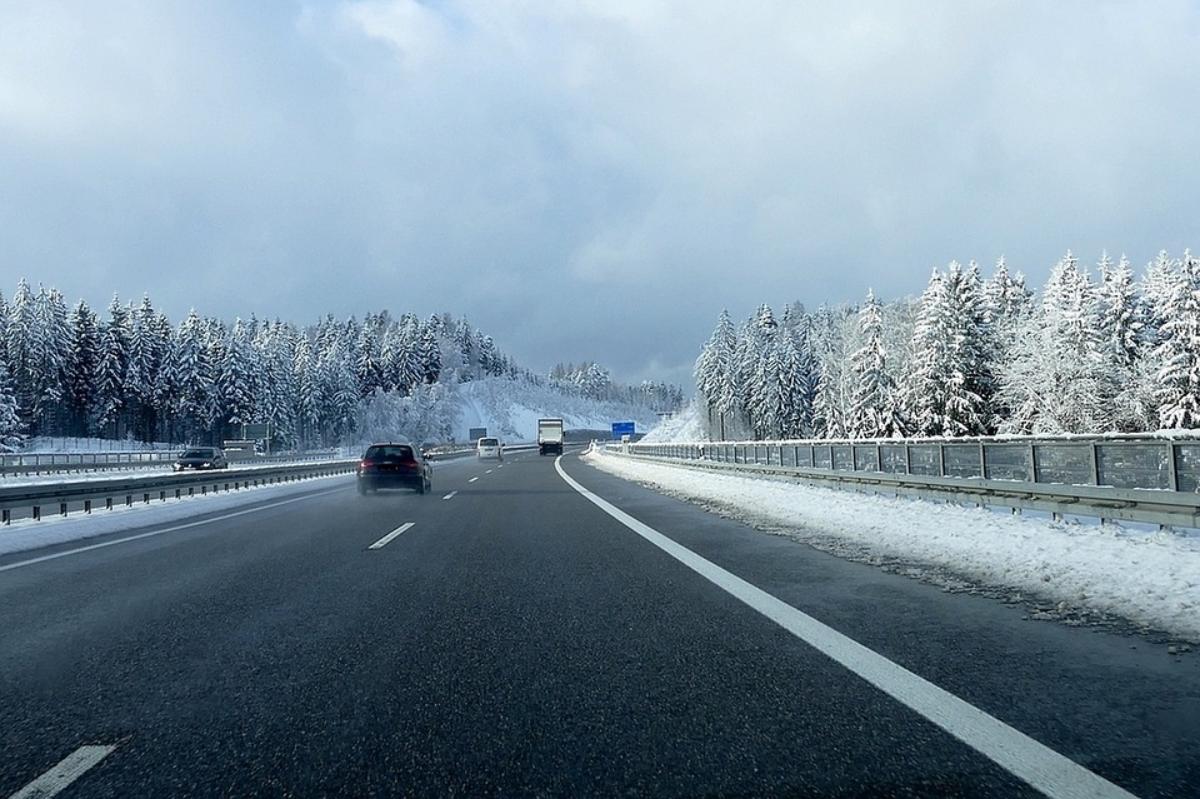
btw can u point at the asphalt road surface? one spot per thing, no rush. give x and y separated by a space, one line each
507 635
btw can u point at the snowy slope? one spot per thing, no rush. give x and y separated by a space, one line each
687 425
511 408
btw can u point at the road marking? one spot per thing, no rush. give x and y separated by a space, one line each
387 539
450 495
473 479
489 471
65 772
152 533
1053 774
501 466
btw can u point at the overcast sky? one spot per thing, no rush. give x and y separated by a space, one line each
589 180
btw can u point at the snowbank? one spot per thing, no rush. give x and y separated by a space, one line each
1149 578
687 425
26 534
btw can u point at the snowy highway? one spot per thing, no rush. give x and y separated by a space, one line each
544 627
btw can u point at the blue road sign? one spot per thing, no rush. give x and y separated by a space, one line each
622 429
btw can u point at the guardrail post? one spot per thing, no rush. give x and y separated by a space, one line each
108 503
982 464
7 516
1172 470
62 509
907 460
37 513
1033 466
146 498
87 506
129 500
1095 466
941 450
879 458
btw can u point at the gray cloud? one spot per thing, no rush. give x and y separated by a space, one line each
642 164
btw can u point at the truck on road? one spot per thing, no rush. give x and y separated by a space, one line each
550 436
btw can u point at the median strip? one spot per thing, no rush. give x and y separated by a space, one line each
387 539
65 772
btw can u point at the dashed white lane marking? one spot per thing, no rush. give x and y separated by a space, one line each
65 772
387 539
473 479
489 471
501 466
450 495
1053 774
171 529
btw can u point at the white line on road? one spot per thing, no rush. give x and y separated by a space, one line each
387 539
473 479
172 529
1053 774
489 471
450 495
65 772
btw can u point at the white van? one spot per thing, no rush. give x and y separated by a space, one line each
489 448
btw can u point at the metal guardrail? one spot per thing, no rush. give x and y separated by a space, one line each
1131 478
65 462
127 490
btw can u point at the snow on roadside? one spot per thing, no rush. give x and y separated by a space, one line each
687 425
1152 579
27 534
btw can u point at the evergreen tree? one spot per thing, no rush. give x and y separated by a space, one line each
112 370
1179 352
873 411
944 386
83 363
11 437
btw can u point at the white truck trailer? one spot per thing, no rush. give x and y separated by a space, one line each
550 436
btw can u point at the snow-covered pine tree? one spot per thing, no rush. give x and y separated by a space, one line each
943 383
1179 352
187 385
236 378
1056 381
112 371
1120 337
82 365
11 436
873 403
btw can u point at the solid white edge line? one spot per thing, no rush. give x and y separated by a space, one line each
1040 766
450 495
387 539
174 528
64 772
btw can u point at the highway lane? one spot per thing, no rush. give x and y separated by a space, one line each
515 639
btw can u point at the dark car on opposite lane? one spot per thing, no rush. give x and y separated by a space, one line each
201 458
393 465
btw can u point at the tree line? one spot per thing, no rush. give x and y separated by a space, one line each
132 373
971 356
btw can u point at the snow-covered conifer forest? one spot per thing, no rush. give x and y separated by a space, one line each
129 372
1094 351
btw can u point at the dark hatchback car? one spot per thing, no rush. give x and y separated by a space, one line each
394 466
201 458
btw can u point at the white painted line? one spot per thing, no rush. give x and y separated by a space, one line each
1053 774
489 471
450 495
387 539
151 533
65 772
473 479
501 466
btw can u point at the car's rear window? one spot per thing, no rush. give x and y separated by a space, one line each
489 442
197 453
389 452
